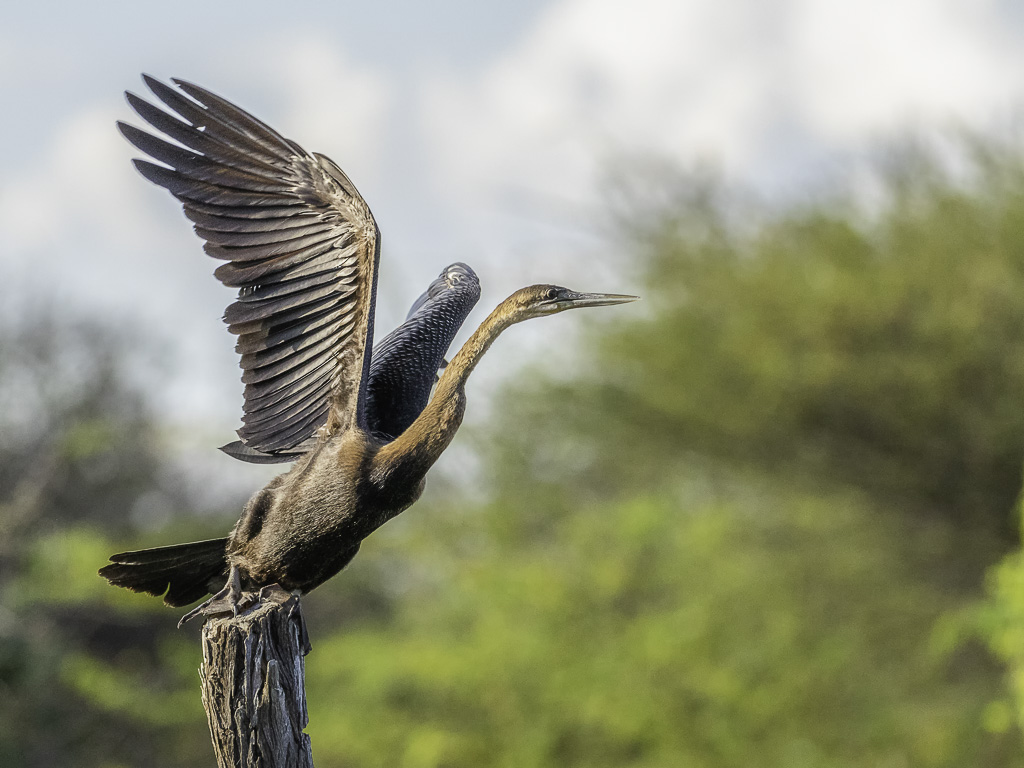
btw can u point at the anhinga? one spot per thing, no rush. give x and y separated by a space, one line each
302 247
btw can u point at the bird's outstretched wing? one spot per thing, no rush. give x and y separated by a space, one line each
406 361
298 242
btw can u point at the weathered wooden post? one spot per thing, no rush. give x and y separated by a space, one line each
253 686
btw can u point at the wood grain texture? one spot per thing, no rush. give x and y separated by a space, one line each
253 688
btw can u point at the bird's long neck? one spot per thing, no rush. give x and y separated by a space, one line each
458 370
410 455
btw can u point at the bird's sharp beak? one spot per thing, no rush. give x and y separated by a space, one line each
599 299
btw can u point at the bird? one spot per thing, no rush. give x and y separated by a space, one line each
360 425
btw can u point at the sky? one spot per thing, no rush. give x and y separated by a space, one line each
477 132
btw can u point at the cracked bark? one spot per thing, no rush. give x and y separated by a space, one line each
253 687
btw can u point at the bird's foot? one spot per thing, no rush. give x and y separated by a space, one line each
275 593
230 600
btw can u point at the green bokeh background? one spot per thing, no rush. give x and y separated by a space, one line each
768 517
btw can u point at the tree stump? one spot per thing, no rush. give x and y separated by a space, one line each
253 686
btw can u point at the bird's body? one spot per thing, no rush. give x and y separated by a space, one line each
306 524
360 424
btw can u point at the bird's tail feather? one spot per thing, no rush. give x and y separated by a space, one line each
182 573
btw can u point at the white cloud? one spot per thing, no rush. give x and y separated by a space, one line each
81 199
316 94
595 76
333 100
860 69
742 81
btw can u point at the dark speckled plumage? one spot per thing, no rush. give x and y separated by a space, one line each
301 246
406 362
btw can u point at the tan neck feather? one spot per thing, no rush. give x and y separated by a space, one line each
416 449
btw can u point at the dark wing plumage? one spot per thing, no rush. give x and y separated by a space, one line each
406 361
298 242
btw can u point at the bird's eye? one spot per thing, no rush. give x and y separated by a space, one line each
552 294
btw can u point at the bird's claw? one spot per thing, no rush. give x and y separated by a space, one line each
231 600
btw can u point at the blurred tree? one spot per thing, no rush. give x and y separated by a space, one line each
746 625
743 526
79 461
639 594
880 350
1001 619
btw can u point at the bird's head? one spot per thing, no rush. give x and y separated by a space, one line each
541 300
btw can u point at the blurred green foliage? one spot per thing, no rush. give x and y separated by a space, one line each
879 348
745 522
1002 620
80 664
751 626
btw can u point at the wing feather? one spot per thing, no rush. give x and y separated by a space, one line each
295 332
190 189
292 435
223 110
309 259
251 214
299 243
265 236
221 222
194 166
206 143
268 398
298 360
278 248
257 306
256 327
